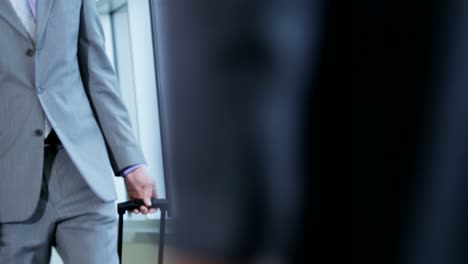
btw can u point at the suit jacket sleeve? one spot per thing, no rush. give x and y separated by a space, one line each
100 83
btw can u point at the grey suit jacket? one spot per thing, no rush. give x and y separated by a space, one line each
69 77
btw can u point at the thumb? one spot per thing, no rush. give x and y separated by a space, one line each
147 196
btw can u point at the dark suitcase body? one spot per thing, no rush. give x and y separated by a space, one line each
160 204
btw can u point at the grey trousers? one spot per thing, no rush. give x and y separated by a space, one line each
69 217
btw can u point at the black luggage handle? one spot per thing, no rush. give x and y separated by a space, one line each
135 204
160 204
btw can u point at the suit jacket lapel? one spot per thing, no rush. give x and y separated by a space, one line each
44 8
8 13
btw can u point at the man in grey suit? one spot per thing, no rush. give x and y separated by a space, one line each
61 119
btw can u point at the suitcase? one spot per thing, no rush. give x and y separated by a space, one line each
160 204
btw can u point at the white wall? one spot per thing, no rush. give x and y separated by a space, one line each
135 68
145 88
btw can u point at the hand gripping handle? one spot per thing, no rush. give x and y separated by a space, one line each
122 208
135 204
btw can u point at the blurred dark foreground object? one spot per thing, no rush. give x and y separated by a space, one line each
253 102
234 97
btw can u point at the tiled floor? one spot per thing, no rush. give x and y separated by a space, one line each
133 253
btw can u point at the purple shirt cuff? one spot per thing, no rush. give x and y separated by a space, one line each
129 169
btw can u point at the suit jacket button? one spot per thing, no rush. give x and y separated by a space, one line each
38 132
30 52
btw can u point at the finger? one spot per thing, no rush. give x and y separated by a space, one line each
154 194
147 195
152 210
135 211
143 209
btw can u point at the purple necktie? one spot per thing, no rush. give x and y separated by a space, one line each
32 5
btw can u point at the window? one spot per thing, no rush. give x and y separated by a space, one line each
129 45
